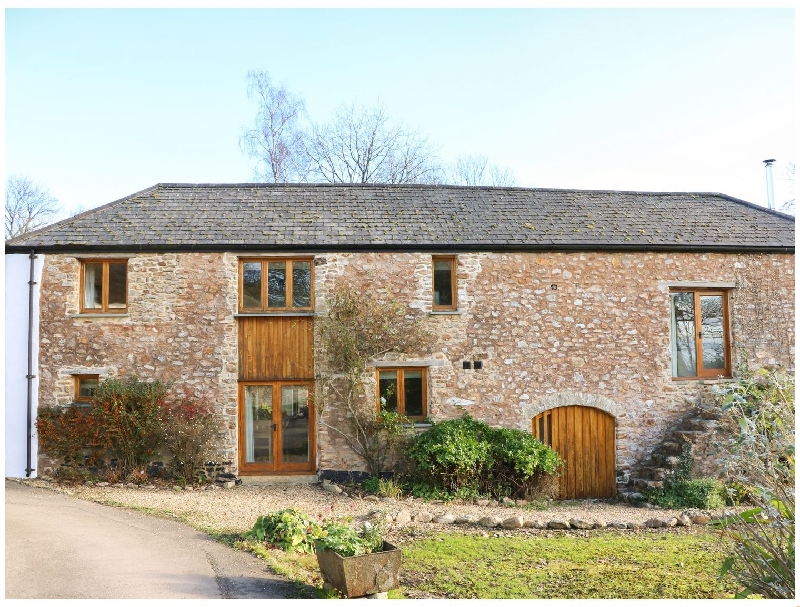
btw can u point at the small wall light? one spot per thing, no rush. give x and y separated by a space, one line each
466 364
478 364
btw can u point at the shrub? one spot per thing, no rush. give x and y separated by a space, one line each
383 487
129 413
357 329
189 435
759 454
466 456
288 529
70 433
452 454
521 463
704 493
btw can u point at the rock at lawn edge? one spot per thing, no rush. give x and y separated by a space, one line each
423 517
444 519
512 522
577 523
490 521
403 517
558 524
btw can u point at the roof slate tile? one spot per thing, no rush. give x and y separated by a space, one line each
413 217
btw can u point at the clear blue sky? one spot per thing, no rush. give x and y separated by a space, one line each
100 103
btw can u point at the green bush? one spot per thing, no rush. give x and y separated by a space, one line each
704 493
453 454
288 529
382 487
129 412
468 456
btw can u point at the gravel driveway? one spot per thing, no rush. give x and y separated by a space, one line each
236 509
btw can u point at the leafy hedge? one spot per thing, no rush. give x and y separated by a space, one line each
130 421
466 455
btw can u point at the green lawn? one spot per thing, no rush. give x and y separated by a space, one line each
608 565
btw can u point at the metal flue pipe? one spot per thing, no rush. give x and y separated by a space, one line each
770 192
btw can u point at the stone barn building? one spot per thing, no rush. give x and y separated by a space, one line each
595 319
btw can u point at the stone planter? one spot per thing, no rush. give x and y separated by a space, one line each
356 576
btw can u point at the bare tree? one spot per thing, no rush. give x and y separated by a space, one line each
275 140
474 169
788 206
28 206
361 145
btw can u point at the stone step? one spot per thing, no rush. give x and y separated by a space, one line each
641 484
670 448
688 435
700 424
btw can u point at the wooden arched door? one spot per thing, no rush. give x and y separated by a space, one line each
584 438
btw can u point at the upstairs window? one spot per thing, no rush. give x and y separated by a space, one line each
403 391
444 283
104 286
85 387
700 337
275 285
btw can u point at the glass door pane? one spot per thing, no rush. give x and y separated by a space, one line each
258 424
685 354
294 424
712 332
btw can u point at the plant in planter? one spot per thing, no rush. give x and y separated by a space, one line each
358 563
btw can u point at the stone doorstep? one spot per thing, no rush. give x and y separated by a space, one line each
293 479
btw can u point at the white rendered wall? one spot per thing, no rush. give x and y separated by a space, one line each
17 270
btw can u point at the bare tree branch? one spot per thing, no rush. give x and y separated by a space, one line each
29 206
275 140
361 145
474 169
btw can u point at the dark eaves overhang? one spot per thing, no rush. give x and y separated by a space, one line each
376 248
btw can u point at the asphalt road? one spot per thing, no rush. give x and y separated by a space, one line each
59 547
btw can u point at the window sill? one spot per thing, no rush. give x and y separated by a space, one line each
445 312
101 315
718 378
287 313
379 364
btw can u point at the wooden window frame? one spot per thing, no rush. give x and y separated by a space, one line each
77 391
453 260
726 327
104 309
401 396
265 261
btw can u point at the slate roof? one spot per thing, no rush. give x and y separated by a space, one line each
323 217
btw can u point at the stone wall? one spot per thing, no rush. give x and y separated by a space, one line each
572 328
549 328
179 328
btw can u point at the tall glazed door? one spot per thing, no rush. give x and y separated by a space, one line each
276 403
275 425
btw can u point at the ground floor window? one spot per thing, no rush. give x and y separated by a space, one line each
403 391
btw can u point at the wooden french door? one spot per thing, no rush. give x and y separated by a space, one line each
276 395
584 438
275 427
